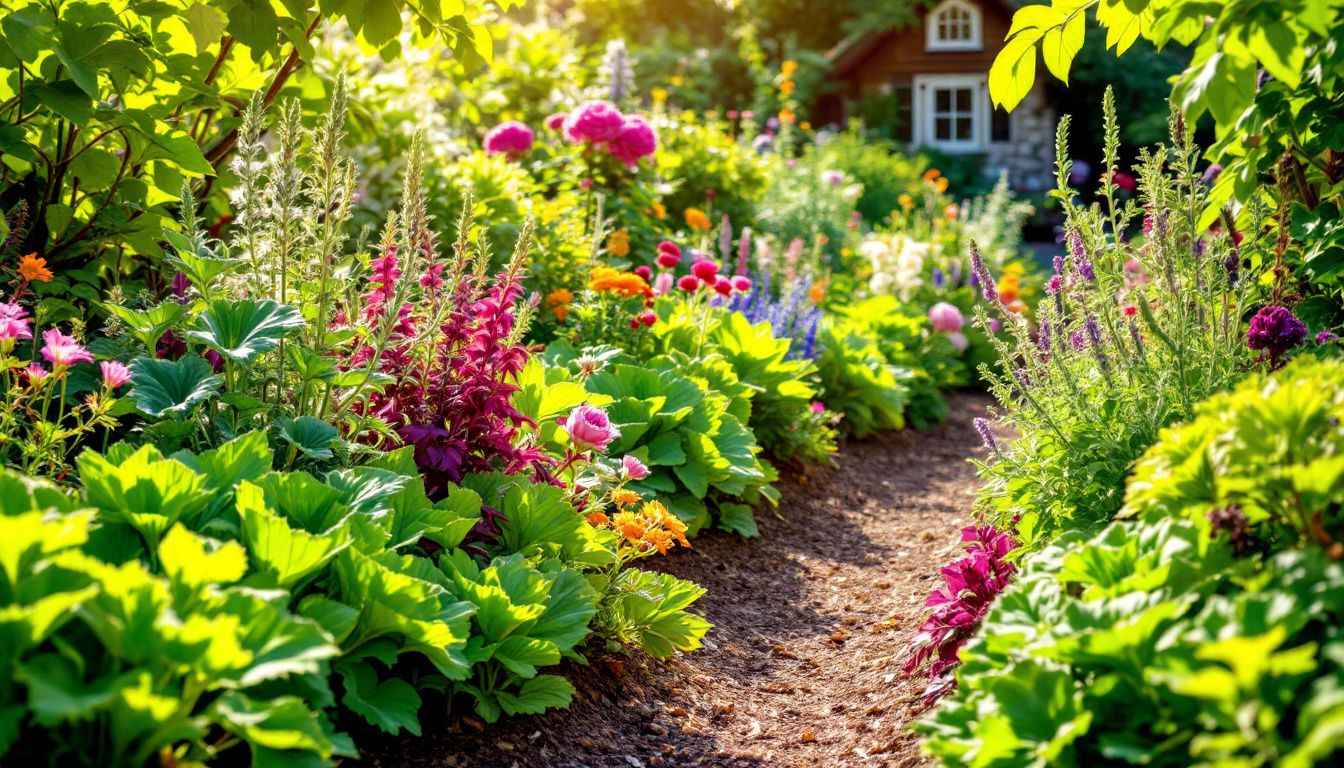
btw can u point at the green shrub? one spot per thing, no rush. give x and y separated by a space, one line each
885 171
857 382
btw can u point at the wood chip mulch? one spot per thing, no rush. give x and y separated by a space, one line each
812 625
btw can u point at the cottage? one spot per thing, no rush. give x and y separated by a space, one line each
936 72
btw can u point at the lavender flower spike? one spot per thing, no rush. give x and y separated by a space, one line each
982 273
1081 262
982 426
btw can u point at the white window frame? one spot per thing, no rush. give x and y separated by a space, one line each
975 42
925 87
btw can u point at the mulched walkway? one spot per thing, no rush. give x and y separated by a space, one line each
812 621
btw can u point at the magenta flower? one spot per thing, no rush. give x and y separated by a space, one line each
633 469
556 122
742 284
114 374
63 351
510 138
644 272
945 318
705 270
635 141
723 286
818 407
667 259
688 283
670 248
590 429
595 122
1275 330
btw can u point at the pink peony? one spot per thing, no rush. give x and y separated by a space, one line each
63 351
644 272
114 374
688 283
596 122
590 429
742 284
668 260
669 247
945 318
556 122
635 141
633 469
705 270
510 138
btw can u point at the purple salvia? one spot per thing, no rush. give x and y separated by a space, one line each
1043 335
1059 266
982 273
1081 262
1093 329
982 426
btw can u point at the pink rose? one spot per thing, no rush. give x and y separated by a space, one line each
705 270
635 141
556 122
594 121
945 318
688 283
510 138
590 429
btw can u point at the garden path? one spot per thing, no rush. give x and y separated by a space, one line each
812 621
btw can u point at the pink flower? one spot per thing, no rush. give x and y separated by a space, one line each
63 351
818 407
114 374
648 317
741 284
635 141
590 429
586 183
510 138
556 122
1124 181
644 272
723 286
705 270
633 469
662 283
36 373
13 324
668 260
669 247
688 283
594 121
945 318
959 341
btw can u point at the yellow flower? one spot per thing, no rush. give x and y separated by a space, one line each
658 539
33 269
677 80
805 125
623 497
789 68
609 280
786 116
629 526
932 174
787 87
907 202
941 184
618 243
659 95
1008 289
696 219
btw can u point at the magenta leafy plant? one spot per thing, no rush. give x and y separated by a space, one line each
970 585
446 337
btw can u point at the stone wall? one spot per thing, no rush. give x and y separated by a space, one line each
1029 159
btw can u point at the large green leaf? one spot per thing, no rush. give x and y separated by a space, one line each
174 389
148 325
243 329
309 435
392 705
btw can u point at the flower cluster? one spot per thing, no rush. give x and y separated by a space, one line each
510 138
1275 330
604 279
898 263
970 586
642 528
795 315
599 124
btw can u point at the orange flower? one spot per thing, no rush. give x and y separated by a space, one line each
659 211
806 126
932 174
786 116
654 510
622 496
787 87
696 219
941 184
558 302
596 519
658 539
907 202
629 526
33 269
618 243
1008 288
789 68
610 280
1015 305
952 211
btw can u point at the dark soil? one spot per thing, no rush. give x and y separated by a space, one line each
812 625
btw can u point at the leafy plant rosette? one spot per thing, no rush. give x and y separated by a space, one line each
1216 605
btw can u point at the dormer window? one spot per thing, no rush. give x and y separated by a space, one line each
954 25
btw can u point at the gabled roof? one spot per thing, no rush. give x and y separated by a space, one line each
853 50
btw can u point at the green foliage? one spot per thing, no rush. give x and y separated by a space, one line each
857 381
705 159
885 172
